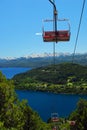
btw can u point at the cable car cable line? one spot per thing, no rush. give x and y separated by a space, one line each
55 18
54 29
57 36
79 26
54 115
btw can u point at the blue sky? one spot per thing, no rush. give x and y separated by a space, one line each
21 19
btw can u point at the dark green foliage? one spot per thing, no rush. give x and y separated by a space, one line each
65 77
57 74
16 115
80 115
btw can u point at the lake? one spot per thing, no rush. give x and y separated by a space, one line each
11 71
45 103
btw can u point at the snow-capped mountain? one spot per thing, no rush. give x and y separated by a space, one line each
37 60
34 55
46 55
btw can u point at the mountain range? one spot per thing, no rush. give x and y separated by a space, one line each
38 60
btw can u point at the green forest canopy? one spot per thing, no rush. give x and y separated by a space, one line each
65 77
16 115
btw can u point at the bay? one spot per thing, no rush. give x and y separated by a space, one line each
42 102
11 71
46 103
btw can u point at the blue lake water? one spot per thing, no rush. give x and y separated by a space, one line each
11 71
45 103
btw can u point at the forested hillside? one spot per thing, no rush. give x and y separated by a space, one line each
16 115
65 78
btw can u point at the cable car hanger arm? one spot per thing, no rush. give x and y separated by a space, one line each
51 20
55 17
54 7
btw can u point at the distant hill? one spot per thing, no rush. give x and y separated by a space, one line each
64 77
46 59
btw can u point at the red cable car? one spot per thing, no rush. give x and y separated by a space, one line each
54 128
54 117
56 36
72 123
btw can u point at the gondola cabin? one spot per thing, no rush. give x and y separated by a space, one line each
72 123
54 128
54 117
58 36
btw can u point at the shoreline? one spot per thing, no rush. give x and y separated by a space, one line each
51 92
